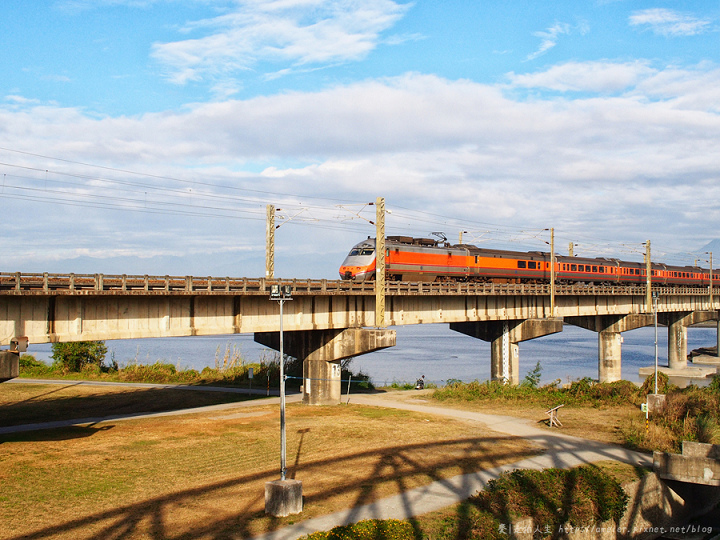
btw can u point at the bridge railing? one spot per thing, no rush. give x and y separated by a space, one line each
87 284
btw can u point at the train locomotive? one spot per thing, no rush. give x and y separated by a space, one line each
430 260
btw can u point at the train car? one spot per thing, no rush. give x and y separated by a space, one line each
429 260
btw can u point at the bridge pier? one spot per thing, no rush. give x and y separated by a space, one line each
504 337
677 324
321 351
609 329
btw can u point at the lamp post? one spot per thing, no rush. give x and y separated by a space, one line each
655 301
281 294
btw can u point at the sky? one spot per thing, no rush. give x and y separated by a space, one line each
149 136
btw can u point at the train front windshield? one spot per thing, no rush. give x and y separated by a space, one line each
360 262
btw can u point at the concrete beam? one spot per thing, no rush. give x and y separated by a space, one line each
504 337
321 352
698 464
609 328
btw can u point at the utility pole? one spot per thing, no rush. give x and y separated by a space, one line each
270 242
571 250
552 272
711 281
648 271
380 262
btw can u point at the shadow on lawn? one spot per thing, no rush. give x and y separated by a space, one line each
480 460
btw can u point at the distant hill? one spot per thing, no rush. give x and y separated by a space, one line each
714 247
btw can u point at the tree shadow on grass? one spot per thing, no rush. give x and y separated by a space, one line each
59 434
398 466
37 408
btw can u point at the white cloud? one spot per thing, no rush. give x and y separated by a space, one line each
283 32
585 76
667 22
549 38
596 165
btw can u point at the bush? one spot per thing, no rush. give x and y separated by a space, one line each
371 529
582 497
74 356
29 365
532 379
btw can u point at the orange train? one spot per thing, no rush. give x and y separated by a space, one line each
425 259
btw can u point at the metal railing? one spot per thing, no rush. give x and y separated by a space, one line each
18 283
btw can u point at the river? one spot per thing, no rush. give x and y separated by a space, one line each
432 350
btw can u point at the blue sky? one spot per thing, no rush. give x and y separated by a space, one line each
147 136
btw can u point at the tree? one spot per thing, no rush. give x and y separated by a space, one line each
76 355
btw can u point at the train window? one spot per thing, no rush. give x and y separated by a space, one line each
532 264
476 259
637 271
522 264
601 269
573 267
594 269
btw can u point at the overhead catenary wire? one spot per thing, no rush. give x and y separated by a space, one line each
203 198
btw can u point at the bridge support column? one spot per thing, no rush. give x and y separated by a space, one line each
609 328
504 337
321 352
677 324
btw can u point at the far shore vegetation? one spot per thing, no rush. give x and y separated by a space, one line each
87 360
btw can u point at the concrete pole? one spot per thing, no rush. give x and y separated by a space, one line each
380 263
648 271
571 250
270 242
552 272
711 282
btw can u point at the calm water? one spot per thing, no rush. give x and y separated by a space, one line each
432 350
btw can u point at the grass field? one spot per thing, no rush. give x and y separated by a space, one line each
202 475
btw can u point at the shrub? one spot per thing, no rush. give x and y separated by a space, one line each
29 365
532 379
371 529
582 497
74 356
648 386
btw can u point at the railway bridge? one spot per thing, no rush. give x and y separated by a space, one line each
329 320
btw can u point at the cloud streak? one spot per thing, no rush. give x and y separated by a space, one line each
282 33
669 23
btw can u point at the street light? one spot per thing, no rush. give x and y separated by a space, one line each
655 301
281 293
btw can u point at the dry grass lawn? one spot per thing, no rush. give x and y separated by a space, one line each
202 475
598 423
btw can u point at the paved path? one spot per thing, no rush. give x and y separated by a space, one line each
560 451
